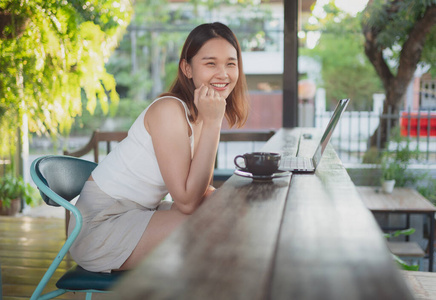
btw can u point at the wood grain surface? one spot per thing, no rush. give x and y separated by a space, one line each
309 237
402 199
330 246
27 248
423 284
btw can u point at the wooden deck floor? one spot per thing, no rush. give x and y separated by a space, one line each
27 247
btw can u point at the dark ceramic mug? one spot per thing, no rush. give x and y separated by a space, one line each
259 163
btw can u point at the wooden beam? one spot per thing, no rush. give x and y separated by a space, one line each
290 64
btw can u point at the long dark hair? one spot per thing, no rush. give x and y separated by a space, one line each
183 87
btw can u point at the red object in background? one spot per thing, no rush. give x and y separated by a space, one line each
424 118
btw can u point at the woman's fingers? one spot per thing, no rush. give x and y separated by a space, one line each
209 103
199 93
204 93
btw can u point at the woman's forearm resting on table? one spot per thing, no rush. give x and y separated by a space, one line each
210 190
201 171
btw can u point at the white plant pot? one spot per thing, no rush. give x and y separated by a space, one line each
388 186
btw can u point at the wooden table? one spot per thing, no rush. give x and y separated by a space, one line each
306 238
404 201
422 284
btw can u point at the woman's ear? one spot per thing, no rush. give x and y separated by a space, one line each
186 68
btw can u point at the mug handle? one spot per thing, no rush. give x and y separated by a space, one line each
236 163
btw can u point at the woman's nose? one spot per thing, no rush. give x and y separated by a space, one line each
222 72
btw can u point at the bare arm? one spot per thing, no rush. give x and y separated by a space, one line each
187 179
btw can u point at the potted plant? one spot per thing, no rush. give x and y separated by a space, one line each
12 190
390 170
395 161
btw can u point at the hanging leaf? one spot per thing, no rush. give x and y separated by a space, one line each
50 50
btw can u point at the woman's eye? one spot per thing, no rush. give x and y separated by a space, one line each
210 64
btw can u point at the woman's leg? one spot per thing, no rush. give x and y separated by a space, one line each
161 224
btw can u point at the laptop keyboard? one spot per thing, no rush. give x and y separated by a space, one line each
296 163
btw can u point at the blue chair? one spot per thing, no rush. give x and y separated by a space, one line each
59 180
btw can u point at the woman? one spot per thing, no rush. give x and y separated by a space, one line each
170 148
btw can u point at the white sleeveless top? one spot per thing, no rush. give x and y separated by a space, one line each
131 171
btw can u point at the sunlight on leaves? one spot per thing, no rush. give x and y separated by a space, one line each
49 52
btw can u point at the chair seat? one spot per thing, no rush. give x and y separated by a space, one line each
78 278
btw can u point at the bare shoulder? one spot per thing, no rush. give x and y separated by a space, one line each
165 109
166 105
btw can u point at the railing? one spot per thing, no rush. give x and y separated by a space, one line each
232 143
351 137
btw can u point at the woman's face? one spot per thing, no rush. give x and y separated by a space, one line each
215 65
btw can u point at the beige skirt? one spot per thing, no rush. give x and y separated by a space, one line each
111 229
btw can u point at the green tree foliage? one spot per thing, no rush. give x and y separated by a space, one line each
399 35
247 18
140 64
149 49
51 50
146 62
346 72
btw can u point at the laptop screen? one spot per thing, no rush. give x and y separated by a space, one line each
340 108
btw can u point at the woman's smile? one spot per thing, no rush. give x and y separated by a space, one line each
219 86
216 66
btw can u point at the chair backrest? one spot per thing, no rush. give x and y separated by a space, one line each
64 175
94 142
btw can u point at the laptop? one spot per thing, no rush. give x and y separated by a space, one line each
299 164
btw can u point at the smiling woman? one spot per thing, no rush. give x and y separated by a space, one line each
210 68
170 148
236 111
